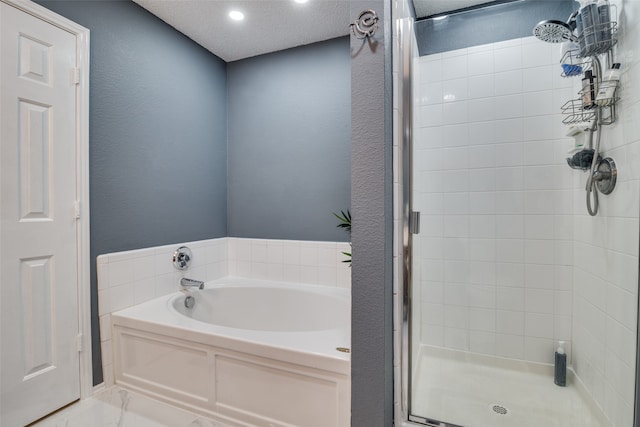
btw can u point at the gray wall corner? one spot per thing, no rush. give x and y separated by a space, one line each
372 199
291 168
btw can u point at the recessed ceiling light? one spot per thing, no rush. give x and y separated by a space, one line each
301 1
236 15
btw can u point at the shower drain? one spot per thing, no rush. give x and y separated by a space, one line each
499 409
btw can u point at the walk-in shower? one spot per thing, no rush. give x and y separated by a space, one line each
507 261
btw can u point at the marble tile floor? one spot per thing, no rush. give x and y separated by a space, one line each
463 389
116 407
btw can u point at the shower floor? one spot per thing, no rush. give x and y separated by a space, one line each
480 391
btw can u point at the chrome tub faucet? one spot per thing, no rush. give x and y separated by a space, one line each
191 283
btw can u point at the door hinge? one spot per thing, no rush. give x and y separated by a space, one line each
76 76
76 209
414 222
79 345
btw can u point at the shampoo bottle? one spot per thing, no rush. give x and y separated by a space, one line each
560 372
580 31
588 90
590 19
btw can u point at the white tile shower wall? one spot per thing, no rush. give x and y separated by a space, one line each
133 277
606 252
495 254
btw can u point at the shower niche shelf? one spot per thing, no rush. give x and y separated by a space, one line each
583 57
574 111
598 39
573 64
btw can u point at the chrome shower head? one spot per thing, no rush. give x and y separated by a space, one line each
552 31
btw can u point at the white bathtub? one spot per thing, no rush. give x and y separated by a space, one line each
250 353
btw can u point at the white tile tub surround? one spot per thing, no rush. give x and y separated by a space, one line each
318 263
132 277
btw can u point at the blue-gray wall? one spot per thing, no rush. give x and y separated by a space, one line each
484 25
289 143
158 156
158 138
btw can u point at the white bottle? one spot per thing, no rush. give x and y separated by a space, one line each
607 89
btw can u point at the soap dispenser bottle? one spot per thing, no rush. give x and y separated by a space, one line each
560 371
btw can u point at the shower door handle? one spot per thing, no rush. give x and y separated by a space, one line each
414 222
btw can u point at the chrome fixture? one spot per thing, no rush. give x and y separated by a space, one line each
553 31
606 175
366 24
602 173
189 301
191 283
182 258
414 222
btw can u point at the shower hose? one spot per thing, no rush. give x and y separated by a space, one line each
597 128
591 183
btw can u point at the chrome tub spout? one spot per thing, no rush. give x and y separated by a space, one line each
191 283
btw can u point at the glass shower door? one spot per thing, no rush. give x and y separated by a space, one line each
508 266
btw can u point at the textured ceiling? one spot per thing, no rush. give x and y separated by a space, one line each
426 8
269 25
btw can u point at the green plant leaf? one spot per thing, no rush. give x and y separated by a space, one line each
345 223
345 220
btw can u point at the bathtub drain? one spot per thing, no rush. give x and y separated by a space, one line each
499 409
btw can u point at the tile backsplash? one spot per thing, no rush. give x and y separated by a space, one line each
132 277
290 261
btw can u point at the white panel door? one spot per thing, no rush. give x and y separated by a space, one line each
38 251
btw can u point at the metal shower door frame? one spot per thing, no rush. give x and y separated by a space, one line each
407 227
404 163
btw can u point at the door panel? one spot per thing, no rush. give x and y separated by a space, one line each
38 252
